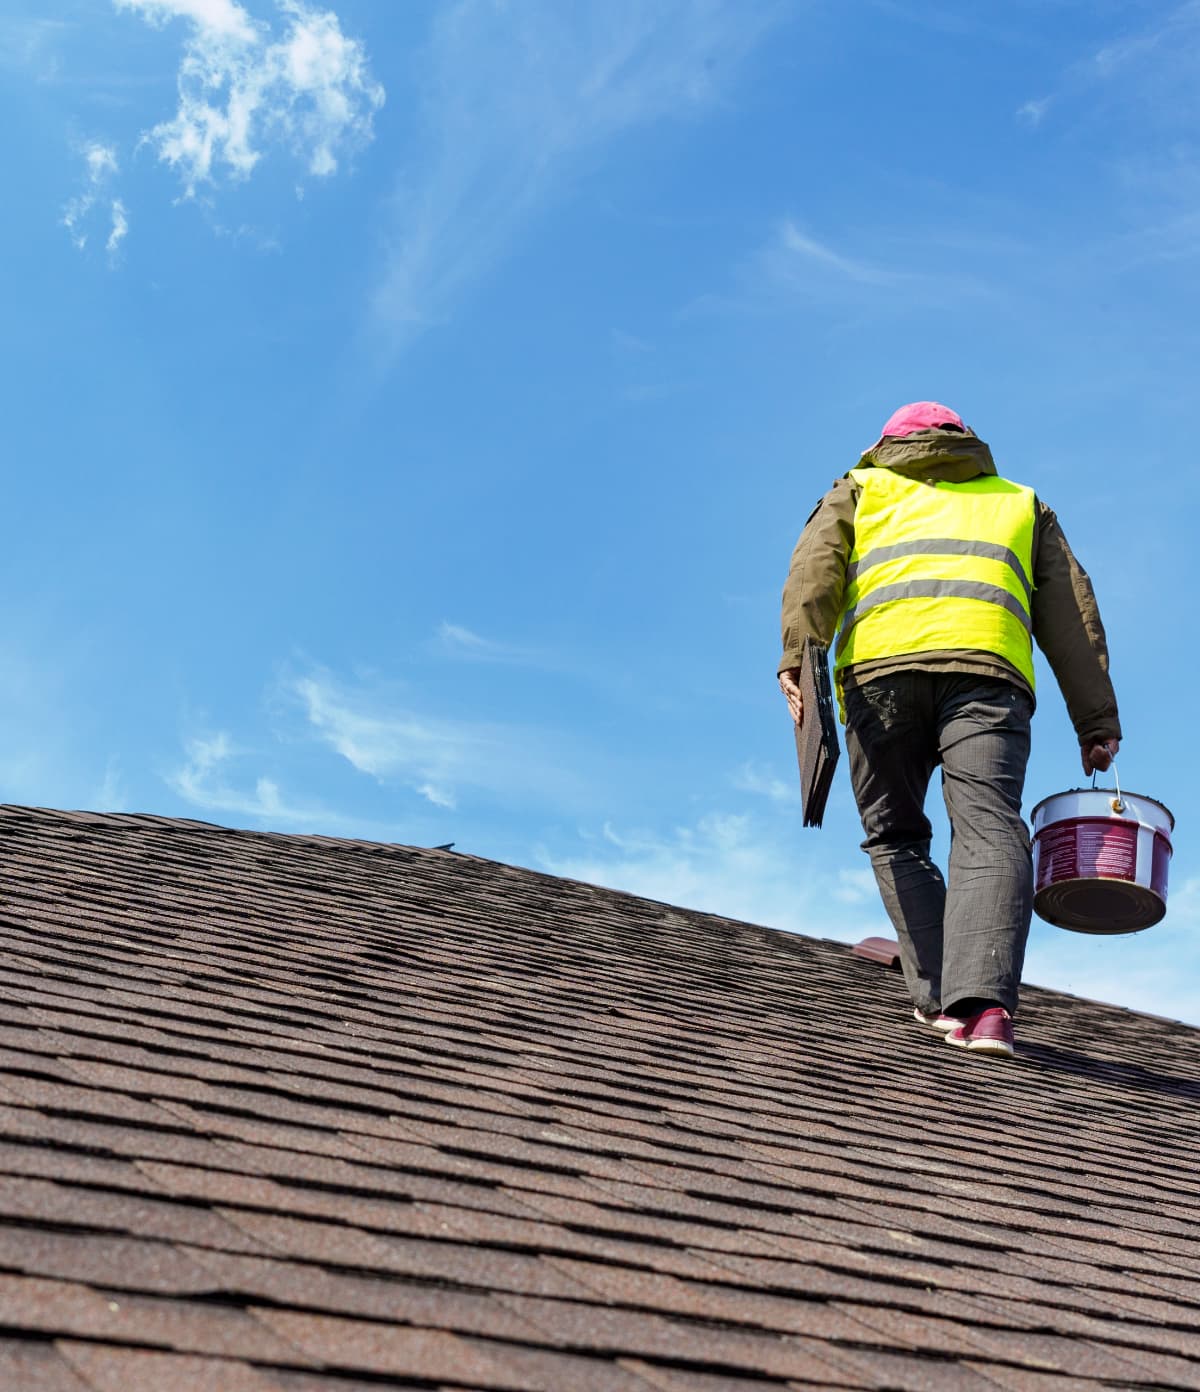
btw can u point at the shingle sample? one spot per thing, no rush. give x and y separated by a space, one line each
293 1114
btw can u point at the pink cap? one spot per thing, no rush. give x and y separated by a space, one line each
921 415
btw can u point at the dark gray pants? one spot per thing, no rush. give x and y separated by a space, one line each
967 940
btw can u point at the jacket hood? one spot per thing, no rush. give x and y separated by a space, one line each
941 456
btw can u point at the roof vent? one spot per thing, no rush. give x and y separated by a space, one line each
886 951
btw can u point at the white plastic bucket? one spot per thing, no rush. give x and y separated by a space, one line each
1100 860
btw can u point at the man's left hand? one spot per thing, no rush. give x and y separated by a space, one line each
789 684
1098 755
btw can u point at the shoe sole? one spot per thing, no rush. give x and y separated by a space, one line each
997 1048
937 1023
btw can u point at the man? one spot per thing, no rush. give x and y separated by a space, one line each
936 574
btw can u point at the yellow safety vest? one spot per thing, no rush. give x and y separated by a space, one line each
938 566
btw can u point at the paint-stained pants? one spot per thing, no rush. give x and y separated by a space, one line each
966 939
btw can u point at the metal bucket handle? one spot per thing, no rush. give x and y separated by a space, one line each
1118 803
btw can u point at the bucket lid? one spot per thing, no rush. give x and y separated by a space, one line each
1123 793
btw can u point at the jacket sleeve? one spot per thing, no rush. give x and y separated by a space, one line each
1066 624
812 596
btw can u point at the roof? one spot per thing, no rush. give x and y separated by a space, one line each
285 1113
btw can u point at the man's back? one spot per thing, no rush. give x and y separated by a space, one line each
936 575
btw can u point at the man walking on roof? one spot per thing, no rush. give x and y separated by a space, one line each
936 574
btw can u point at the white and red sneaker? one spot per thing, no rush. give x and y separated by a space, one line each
989 1032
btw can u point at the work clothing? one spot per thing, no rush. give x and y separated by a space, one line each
938 572
969 943
1066 618
937 566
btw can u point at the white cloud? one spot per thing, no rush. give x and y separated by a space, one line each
1032 113
793 257
204 780
453 640
110 796
456 639
221 18
793 267
381 734
101 161
120 226
53 747
855 886
242 90
1143 82
515 96
100 168
625 342
383 740
754 778
29 45
737 866
440 797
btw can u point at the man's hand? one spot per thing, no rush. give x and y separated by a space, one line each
789 684
1097 757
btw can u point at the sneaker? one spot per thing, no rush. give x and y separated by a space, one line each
989 1032
935 1020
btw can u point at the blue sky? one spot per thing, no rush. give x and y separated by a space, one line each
409 410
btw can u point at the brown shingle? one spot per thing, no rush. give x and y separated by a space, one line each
140 1370
667 1379
629 1333
670 1295
124 1263
536 1370
71 1206
372 1347
26 1366
303 1286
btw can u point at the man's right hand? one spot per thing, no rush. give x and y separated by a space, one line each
1098 756
789 684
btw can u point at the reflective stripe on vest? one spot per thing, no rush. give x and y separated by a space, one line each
938 567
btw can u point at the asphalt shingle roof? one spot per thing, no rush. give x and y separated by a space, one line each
292 1114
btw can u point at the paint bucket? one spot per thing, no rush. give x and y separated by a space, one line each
1100 860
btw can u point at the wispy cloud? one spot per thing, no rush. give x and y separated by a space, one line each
384 740
762 782
456 641
205 779
1032 113
110 796
793 257
242 90
29 45
381 732
516 96
1151 70
50 744
120 226
792 267
96 200
739 866
1130 105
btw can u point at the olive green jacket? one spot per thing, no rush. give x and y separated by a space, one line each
1066 618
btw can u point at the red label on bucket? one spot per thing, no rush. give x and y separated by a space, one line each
1087 849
